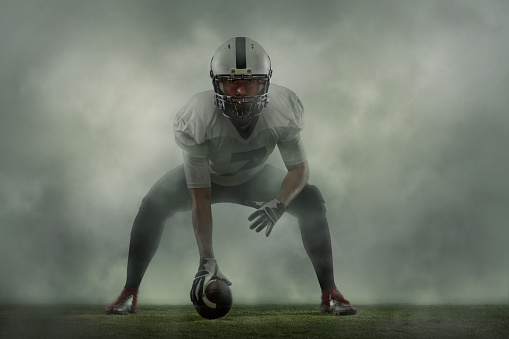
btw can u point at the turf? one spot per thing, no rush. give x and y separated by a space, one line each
260 321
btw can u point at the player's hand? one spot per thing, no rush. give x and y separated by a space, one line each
266 215
208 270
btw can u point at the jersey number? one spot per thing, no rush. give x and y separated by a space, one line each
254 158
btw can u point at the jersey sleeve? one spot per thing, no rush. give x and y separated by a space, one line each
295 118
190 135
292 151
197 171
189 132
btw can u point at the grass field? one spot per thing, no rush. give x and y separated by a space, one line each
260 321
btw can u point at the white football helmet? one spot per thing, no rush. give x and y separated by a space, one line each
240 58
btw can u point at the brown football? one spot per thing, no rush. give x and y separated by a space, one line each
217 300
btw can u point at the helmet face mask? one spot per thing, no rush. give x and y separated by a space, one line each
241 106
240 59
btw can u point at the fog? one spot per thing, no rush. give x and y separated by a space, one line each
406 107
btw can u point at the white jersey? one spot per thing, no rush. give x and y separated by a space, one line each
209 139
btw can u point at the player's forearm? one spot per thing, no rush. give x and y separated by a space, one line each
202 221
293 183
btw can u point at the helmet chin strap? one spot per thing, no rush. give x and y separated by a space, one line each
246 108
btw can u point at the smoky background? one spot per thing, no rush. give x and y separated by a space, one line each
406 112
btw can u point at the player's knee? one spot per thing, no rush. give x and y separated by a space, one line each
309 200
155 202
313 196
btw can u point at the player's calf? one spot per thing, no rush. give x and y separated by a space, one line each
127 302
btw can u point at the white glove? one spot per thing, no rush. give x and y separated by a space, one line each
266 215
208 270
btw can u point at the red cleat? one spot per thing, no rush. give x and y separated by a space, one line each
122 305
333 302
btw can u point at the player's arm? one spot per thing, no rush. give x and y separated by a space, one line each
268 213
294 182
202 220
294 157
197 172
198 181
202 223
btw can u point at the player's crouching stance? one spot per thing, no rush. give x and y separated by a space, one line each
227 135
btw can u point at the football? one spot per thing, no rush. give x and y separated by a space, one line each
217 300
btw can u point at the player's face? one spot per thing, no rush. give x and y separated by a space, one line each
241 88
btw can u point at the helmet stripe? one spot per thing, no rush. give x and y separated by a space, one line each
240 51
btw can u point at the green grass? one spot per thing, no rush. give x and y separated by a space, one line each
260 321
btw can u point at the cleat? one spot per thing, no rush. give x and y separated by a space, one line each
334 303
122 304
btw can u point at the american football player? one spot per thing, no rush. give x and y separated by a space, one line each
226 135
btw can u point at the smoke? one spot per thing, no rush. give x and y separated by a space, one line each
405 126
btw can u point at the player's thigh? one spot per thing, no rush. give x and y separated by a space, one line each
169 193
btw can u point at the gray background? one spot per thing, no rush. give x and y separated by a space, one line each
406 131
